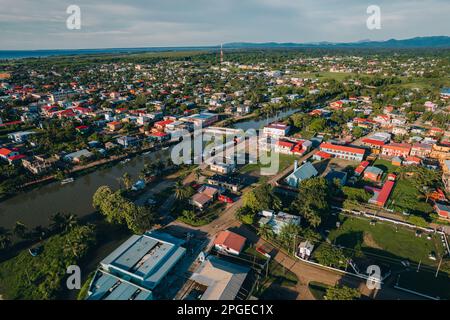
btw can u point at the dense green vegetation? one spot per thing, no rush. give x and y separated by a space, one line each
43 276
117 209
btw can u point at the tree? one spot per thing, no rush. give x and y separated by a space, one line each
20 230
5 238
329 255
342 293
118 209
181 192
312 200
63 222
261 198
288 234
358 132
265 231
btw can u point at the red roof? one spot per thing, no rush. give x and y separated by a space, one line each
373 142
159 134
4 152
323 154
331 146
18 157
285 144
362 166
82 127
10 123
230 240
385 192
398 146
163 123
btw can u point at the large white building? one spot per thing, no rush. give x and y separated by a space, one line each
276 130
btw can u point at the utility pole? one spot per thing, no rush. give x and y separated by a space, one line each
418 266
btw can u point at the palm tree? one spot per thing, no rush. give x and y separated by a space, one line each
180 190
5 238
265 231
20 230
197 173
63 222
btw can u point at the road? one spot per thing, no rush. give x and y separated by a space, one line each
304 271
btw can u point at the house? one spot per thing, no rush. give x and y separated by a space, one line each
204 197
442 210
305 171
421 150
276 130
161 125
278 221
343 152
227 182
373 174
114 126
321 155
445 93
397 161
83 129
127 141
159 136
5 153
284 147
202 120
381 196
304 250
382 120
78 156
219 279
396 150
20 137
222 168
440 152
361 167
446 174
142 261
229 242
412 161
336 105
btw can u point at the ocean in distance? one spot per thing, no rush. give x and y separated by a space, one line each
21 54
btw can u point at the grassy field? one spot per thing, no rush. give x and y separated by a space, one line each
339 76
284 159
405 196
386 166
386 241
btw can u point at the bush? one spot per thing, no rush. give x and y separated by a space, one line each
42 277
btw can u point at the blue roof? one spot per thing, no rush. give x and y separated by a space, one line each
445 90
105 286
146 258
305 171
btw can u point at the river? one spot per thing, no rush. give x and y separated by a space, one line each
260 122
36 206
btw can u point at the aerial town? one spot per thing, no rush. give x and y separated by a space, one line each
358 208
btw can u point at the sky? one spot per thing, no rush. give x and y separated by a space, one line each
41 24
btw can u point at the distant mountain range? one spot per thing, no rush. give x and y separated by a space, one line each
418 42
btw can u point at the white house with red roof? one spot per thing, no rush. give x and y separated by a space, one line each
343 152
229 242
